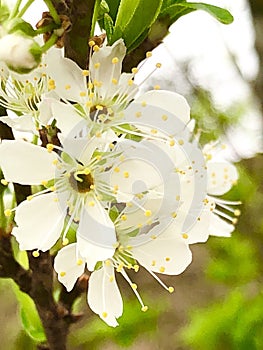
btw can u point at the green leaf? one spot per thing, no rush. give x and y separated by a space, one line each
180 9
134 17
108 25
29 316
113 6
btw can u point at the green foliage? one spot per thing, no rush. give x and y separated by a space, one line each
176 9
29 316
134 17
96 332
234 324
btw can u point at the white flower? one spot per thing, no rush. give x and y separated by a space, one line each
105 99
19 52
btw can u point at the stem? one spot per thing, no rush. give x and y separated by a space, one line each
15 9
53 11
51 42
49 28
2 211
24 9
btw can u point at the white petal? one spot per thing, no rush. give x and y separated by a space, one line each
68 77
68 119
107 70
153 117
169 101
199 232
22 123
97 229
168 253
220 176
104 297
219 227
69 266
40 222
25 163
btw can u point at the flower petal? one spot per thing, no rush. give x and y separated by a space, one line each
220 176
169 101
22 123
40 222
25 163
95 230
67 118
219 227
68 266
67 75
104 297
167 253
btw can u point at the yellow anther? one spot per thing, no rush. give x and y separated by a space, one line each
234 221
162 269
111 145
170 289
117 169
8 212
172 143
174 214
99 107
29 198
124 217
134 286
114 81
130 82
237 212
167 258
129 204
97 83
91 204
82 93
111 278
185 235
4 182
138 114
129 266
91 43
177 198
149 54
181 142
126 174
144 104
144 308
120 267
98 157
135 70
52 188
89 104
139 225
44 182
164 117
148 213
91 95
62 274
157 87
208 156
55 199
35 254
98 134
65 241
158 65
154 131
67 87
79 262
85 72
153 236
153 263
115 187
49 147
90 85
115 60
136 268
129 247
92 187
108 262
97 65
51 82
104 314
96 48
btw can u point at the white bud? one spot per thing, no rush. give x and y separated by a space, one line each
19 52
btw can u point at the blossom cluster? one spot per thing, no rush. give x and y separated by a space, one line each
118 178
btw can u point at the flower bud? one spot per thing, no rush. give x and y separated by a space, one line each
19 52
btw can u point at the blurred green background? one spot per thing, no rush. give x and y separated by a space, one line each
218 300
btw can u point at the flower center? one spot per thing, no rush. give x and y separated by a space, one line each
99 113
81 181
